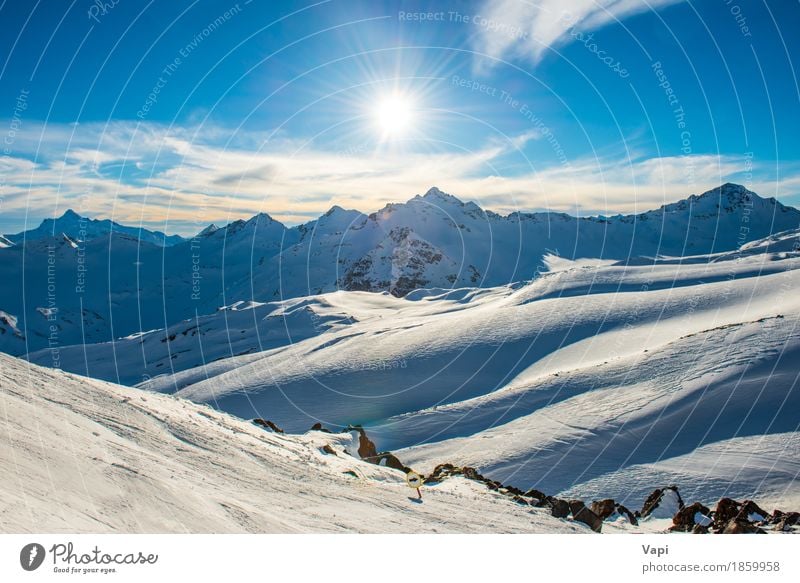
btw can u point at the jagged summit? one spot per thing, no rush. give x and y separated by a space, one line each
71 214
79 227
212 228
434 195
335 209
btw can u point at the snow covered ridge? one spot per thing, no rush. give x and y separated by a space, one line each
81 455
123 283
79 228
89 456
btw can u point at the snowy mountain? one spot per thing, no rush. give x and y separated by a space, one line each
147 463
572 383
81 228
114 287
140 462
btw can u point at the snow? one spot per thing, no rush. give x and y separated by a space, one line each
74 227
702 519
583 382
590 366
107 458
667 507
124 281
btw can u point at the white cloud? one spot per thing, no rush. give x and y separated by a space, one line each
526 29
185 178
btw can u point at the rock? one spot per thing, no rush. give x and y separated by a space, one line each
267 424
784 521
319 427
539 497
627 514
389 460
604 508
742 527
472 474
558 508
699 529
727 509
441 472
582 514
328 449
752 512
690 516
662 503
366 449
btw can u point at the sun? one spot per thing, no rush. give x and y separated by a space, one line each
394 115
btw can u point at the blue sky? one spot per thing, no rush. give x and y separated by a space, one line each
177 114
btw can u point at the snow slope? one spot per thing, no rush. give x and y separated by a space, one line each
81 455
404 356
236 330
563 383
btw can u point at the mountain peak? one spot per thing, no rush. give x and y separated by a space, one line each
436 195
335 209
212 228
729 189
70 214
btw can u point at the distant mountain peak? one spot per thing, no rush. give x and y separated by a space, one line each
70 214
335 209
212 228
261 217
436 196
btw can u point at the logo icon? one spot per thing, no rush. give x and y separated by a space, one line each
31 556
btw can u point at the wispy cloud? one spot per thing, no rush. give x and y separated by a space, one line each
180 179
528 28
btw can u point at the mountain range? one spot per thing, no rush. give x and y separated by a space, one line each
86 281
589 358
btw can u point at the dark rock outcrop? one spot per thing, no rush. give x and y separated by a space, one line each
685 519
742 527
319 427
582 514
558 508
366 448
655 500
267 424
389 460
784 521
604 508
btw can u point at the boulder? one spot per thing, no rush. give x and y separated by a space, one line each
727 509
662 503
366 449
741 527
440 472
689 517
627 514
539 497
784 521
267 424
558 508
389 460
752 512
583 514
604 508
